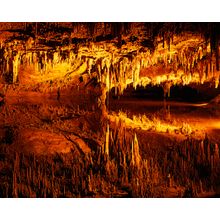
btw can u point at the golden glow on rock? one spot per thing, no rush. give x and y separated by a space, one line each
186 60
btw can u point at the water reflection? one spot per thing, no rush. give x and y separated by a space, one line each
63 148
201 116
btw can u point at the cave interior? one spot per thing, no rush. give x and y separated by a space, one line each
109 109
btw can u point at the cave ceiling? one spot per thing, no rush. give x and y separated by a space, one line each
114 55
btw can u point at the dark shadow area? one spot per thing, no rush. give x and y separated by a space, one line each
190 93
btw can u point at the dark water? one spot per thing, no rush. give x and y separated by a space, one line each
185 168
